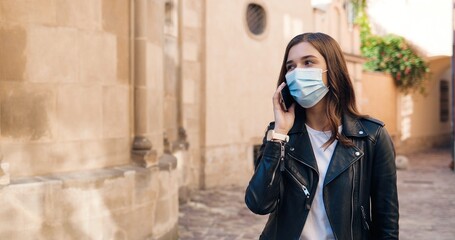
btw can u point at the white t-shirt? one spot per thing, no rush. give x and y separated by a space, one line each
317 224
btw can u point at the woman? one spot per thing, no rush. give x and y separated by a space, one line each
324 170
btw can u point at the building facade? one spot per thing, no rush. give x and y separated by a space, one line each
113 112
419 121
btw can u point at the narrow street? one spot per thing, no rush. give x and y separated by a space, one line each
426 194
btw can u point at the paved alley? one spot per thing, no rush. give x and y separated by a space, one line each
426 193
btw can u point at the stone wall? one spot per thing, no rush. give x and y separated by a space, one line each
383 104
192 77
64 80
77 88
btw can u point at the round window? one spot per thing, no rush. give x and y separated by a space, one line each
256 18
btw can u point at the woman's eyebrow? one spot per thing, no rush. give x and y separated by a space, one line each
302 58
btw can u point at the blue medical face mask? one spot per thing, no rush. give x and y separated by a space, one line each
306 86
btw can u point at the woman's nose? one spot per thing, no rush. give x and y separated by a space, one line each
300 65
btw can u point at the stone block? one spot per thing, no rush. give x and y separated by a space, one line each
192 35
189 91
88 154
27 159
155 22
28 11
146 187
83 14
4 173
156 138
64 156
53 54
27 111
23 206
79 111
116 17
53 214
155 117
165 184
13 41
115 111
155 112
170 119
192 71
98 57
114 199
172 233
192 15
175 206
190 51
105 152
139 222
141 114
162 216
85 205
123 60
154 66
219 159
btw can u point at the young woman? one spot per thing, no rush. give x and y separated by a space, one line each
324 170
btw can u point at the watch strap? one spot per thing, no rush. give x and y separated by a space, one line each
272 136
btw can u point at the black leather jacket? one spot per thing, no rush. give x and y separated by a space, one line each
360 192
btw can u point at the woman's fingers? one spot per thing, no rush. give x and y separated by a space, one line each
277 96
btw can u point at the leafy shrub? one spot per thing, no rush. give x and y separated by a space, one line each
392 54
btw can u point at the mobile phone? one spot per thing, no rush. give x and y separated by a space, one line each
286 98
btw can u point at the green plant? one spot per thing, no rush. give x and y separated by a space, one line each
390 53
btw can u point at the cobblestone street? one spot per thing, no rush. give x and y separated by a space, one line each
426 194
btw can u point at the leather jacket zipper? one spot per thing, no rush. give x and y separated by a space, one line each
364 216
303 187
302 162
352 203
279 164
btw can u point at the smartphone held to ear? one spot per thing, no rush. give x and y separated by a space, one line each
286 98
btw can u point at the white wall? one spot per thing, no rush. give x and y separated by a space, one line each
427 24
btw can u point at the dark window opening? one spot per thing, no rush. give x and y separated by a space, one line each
256 18
444 100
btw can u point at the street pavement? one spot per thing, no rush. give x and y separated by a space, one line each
426 191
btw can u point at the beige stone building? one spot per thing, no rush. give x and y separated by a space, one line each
113 111
416 121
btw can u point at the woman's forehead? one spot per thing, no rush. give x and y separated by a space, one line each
302 49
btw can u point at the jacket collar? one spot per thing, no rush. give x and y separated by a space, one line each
352 127
342 157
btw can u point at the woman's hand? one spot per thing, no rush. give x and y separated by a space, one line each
283 120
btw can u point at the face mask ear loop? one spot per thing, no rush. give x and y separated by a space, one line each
328 87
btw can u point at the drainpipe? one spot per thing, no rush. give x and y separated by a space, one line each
142 153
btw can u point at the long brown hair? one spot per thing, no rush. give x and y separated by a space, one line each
341 97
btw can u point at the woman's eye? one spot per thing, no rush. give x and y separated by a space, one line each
308 62
289 68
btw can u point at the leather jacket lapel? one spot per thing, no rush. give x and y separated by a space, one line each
299 143
300 149
342 158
